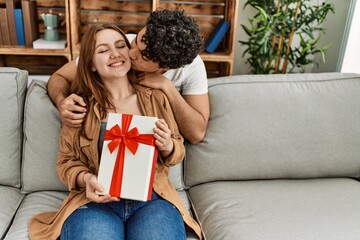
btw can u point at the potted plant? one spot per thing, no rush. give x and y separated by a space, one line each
283 36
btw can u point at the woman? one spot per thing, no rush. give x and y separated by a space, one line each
105 80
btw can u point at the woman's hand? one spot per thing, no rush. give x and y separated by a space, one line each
163 140
92 187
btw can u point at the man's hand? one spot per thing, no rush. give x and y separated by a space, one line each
72 110
153 80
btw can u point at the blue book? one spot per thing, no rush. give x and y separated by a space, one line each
19 27
216 36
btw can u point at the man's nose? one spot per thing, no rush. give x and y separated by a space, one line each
132 54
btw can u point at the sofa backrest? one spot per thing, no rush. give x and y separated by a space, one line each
279 126
41 140
13 84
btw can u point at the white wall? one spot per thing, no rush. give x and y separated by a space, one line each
351 62
335 25
239 62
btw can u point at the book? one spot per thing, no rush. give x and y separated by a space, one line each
19 27
30 21
10 7
4 27
1 43
44 44
216 36
128 157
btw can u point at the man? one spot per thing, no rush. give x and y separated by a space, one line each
166 52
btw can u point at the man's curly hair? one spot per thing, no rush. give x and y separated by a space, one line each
172 38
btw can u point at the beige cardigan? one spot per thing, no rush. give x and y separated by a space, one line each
78 153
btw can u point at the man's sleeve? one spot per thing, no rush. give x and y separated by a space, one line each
195 78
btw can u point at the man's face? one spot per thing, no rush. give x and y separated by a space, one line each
138 62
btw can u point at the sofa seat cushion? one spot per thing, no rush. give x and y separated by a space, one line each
10 200
44 201
316 209
33 204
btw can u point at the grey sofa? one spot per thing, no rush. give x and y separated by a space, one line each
280 160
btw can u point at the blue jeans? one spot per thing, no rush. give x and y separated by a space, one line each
126 219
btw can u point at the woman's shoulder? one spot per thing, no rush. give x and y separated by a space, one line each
151 92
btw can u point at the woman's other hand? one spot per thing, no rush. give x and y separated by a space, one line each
163 140
92 189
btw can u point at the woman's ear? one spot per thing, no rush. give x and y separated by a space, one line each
92 67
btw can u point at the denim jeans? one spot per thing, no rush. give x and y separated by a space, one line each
126 219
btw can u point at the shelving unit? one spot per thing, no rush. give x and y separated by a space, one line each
131 16
208 13
40 61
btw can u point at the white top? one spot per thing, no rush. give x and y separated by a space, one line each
188 80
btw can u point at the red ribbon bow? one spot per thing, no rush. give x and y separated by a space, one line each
123 138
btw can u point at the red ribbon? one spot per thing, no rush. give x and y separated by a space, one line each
123 138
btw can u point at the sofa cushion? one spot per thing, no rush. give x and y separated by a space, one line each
10 199
45 201
319 209
279 126
33 203
41 140
176 176
12 97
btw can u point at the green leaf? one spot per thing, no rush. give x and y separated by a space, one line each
267 24
246 29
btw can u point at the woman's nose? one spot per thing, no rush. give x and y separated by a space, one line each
114 54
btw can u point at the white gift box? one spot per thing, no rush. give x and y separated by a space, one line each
128 162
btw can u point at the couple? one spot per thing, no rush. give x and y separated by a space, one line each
106 83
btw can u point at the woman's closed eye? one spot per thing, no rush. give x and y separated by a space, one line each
119 46
102 50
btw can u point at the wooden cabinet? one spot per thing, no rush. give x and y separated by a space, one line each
131 16
208 13
39 61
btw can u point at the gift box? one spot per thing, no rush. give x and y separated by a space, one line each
128 158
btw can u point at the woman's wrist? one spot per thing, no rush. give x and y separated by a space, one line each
82 177
166 153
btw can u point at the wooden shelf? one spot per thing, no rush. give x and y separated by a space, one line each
222 57
24 50
131 16
41 61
